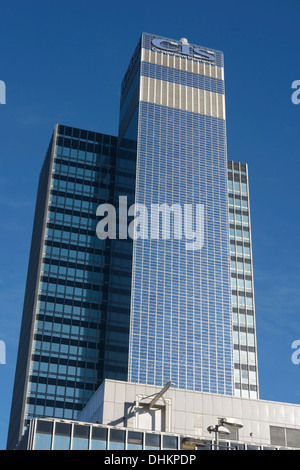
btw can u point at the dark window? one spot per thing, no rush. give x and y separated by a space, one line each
235 446
152 440
63 429
99 434
135 437
116 435
44 427
81 431
169 442
135 440
293 437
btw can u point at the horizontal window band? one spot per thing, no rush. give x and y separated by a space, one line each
241 347
240 243
96 148
101 326
85 135
252 388
245 367
182 77
82 304
58 404
243 329
64 362
72 342
61 383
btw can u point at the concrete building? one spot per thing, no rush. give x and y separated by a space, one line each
130 416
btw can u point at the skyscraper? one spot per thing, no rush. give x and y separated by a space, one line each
181 324
69 340
155 308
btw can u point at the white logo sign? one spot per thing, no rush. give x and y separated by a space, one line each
184 48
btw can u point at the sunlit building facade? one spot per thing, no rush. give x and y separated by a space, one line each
181 320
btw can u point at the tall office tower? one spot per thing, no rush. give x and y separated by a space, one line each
156 307
173 105
65 347
243 306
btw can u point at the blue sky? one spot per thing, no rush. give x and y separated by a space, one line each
63 61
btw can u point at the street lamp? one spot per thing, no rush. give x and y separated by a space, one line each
221 430
232 422
190 443
218 429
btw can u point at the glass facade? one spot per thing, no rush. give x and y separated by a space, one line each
20 385
57 435
68 350
75 321
181 319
